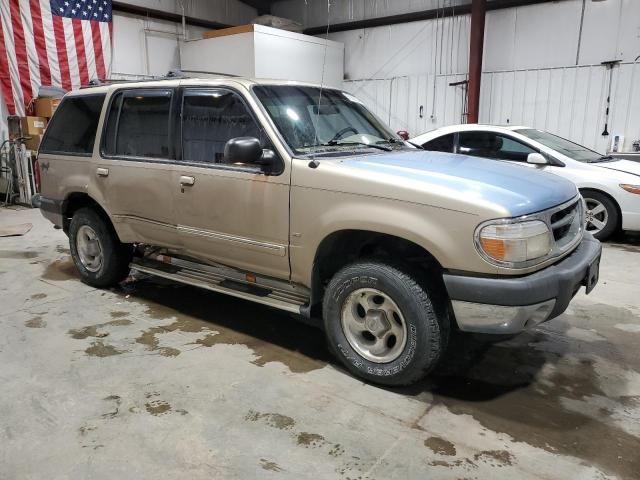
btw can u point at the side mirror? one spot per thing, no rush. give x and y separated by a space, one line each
243 150
537 159
249 151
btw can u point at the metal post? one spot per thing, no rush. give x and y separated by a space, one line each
476 47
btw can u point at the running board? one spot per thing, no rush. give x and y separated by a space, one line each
222 279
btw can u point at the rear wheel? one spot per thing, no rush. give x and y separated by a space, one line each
601 215
382 324
98 254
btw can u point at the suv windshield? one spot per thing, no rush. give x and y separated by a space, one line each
311 122
563 146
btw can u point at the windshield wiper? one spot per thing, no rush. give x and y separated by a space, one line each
334 143
604 158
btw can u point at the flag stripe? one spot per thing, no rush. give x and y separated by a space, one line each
50 44
61 47
21 52
70 41
30 46
81 54
14 75
40 42
5 75
87 38
97 50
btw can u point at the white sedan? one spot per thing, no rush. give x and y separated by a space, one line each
610 187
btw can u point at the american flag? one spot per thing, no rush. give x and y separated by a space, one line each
62 43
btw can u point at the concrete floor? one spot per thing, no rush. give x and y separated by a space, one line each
158 381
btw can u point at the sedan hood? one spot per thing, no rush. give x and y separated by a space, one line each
453 180
625 166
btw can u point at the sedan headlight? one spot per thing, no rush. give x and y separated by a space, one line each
514 244
631 188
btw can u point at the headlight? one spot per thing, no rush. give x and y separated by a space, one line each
631 188
514 244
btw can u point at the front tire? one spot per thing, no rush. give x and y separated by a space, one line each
602 218
382 324
100 257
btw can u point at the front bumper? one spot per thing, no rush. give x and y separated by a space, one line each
508 305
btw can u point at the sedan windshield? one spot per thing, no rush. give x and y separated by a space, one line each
563 146
312 121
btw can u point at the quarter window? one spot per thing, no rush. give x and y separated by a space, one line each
73 127
493 145
210 118
440 144
138 124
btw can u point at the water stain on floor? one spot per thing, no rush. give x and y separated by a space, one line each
100 349
157 407
269 465
35 322
18 254
38 296
502 388
273 336
116 401
273 420
60 270
307 440
440 446
93 330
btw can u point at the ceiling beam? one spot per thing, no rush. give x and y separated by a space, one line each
123 7
262 6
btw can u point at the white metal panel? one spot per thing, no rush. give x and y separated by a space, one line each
231 54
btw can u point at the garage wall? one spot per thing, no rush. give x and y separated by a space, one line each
536 71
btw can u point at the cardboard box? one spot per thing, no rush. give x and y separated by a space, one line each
33 126
46 106
33 143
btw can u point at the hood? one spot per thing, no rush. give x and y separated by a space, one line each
456 180
625 166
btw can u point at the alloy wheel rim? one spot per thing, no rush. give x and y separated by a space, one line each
596 216
89 248
374 325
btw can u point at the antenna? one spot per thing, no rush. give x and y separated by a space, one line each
314 163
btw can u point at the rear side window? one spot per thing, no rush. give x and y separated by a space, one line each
73 128
440 144
138 124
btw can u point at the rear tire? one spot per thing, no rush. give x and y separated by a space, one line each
601 214
100 257
383 325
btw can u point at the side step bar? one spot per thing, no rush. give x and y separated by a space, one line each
221 279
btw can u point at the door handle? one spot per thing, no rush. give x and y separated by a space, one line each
102 172
187 181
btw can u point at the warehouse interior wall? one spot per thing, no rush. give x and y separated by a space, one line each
539 68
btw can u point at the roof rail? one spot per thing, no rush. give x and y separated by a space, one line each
171 75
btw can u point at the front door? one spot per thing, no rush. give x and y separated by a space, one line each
134 173
228 212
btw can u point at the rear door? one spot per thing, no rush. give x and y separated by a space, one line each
135 169
229 212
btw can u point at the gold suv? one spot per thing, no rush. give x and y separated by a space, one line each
299 198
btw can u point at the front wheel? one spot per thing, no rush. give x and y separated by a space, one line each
601 215
382 324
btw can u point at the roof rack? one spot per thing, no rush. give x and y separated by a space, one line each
171 75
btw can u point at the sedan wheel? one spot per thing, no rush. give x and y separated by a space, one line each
596 216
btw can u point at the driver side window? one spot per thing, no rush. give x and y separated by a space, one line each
493 145
210 118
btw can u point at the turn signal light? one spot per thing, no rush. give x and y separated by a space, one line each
631 188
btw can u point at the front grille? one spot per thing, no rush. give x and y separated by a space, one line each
566 224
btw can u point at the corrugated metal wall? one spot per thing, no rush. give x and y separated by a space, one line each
538 70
